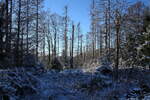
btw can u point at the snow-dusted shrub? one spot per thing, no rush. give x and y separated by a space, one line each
29 60
18 82
105 70
97 82
143 49
56 64
6 61
93 85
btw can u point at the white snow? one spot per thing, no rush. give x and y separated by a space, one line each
70 84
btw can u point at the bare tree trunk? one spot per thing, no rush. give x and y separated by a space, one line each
117 41
49 39
78 35
101 43
70 46
65 33
109 26
72 53
81 51
27 26
37 24
10 28
117 53
18 36
84 57
58 44
93 47
6 27
87 45
106 29
2 12
44 46
55 41
93 26
21 45
49 50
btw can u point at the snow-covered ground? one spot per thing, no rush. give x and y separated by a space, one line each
75 84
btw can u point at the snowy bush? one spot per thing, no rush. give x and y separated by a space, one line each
29 60
56 64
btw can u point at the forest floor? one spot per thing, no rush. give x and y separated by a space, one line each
75 84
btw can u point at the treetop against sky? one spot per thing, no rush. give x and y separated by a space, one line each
78 10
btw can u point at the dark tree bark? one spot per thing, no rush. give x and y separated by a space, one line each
37 29
78 35
10 28
27 38
109 26
72 49
65 34
117 22
7 27
18 36
55 41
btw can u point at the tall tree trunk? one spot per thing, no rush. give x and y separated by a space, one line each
49 50
117 41
10 28
27 26
101 43
58 44
49 43
109 26
78 40
65 34
21 51
81 51
93 47
7 29
18 37
106 29
55 42
37 24
44 46
73 29
2 10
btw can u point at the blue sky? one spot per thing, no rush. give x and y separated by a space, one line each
78 10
